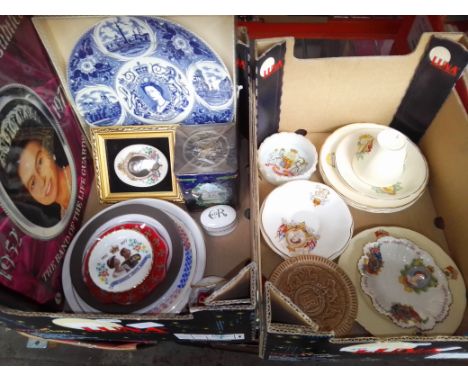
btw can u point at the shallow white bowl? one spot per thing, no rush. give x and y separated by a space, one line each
284 156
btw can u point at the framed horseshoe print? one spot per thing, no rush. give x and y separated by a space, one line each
135 162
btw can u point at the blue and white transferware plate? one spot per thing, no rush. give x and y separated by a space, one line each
148 70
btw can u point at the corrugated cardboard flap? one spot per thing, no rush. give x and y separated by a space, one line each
285 317
239 290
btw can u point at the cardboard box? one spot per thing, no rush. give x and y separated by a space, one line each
229 315
319 96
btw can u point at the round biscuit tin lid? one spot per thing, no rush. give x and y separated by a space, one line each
218 218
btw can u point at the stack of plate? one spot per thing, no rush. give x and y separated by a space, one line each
138 256
303 218
338 170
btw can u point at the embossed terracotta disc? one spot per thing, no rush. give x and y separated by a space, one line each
321 289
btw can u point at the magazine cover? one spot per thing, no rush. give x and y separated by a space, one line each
45 167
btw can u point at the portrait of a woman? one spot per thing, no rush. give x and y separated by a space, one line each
156 96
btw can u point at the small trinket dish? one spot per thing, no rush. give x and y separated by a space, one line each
284 156
219 220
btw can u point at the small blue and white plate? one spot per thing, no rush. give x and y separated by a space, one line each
148 70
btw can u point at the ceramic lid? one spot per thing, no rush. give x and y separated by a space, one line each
321 289
218 218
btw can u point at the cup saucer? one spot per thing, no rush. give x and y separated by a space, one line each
331 176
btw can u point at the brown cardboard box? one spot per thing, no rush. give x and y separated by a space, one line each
230 313
318 96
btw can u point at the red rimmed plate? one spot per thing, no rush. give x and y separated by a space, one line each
125 264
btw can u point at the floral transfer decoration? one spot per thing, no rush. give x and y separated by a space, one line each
381 233
331 159
451 273
298 238
390 190
320 196
286 162
372 262
365 144
406 314
417 277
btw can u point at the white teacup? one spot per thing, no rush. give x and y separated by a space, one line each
380 161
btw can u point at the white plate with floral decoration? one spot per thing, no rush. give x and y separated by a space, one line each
331 175
412 181
285 156
304 217
193 263
406 283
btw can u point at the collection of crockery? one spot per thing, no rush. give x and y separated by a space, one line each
145 255
391 280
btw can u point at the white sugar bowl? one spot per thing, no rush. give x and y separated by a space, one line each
284 156
219 220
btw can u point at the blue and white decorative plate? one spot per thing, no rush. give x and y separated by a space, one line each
148 70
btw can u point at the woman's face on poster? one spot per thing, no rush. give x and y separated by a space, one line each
39 173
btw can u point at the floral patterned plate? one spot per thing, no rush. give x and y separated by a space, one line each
125 263
303 218
411 283
141 165
148 70
180 265
413 180
404 283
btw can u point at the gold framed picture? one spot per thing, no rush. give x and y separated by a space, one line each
135 162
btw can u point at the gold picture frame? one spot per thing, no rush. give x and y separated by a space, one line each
122 156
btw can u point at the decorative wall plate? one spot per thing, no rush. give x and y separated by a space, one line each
133 70
331 175
141 165
379 324
304 217
125 263
412 182
404 283
320 289
285 156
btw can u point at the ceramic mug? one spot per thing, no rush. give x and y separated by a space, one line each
379 161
